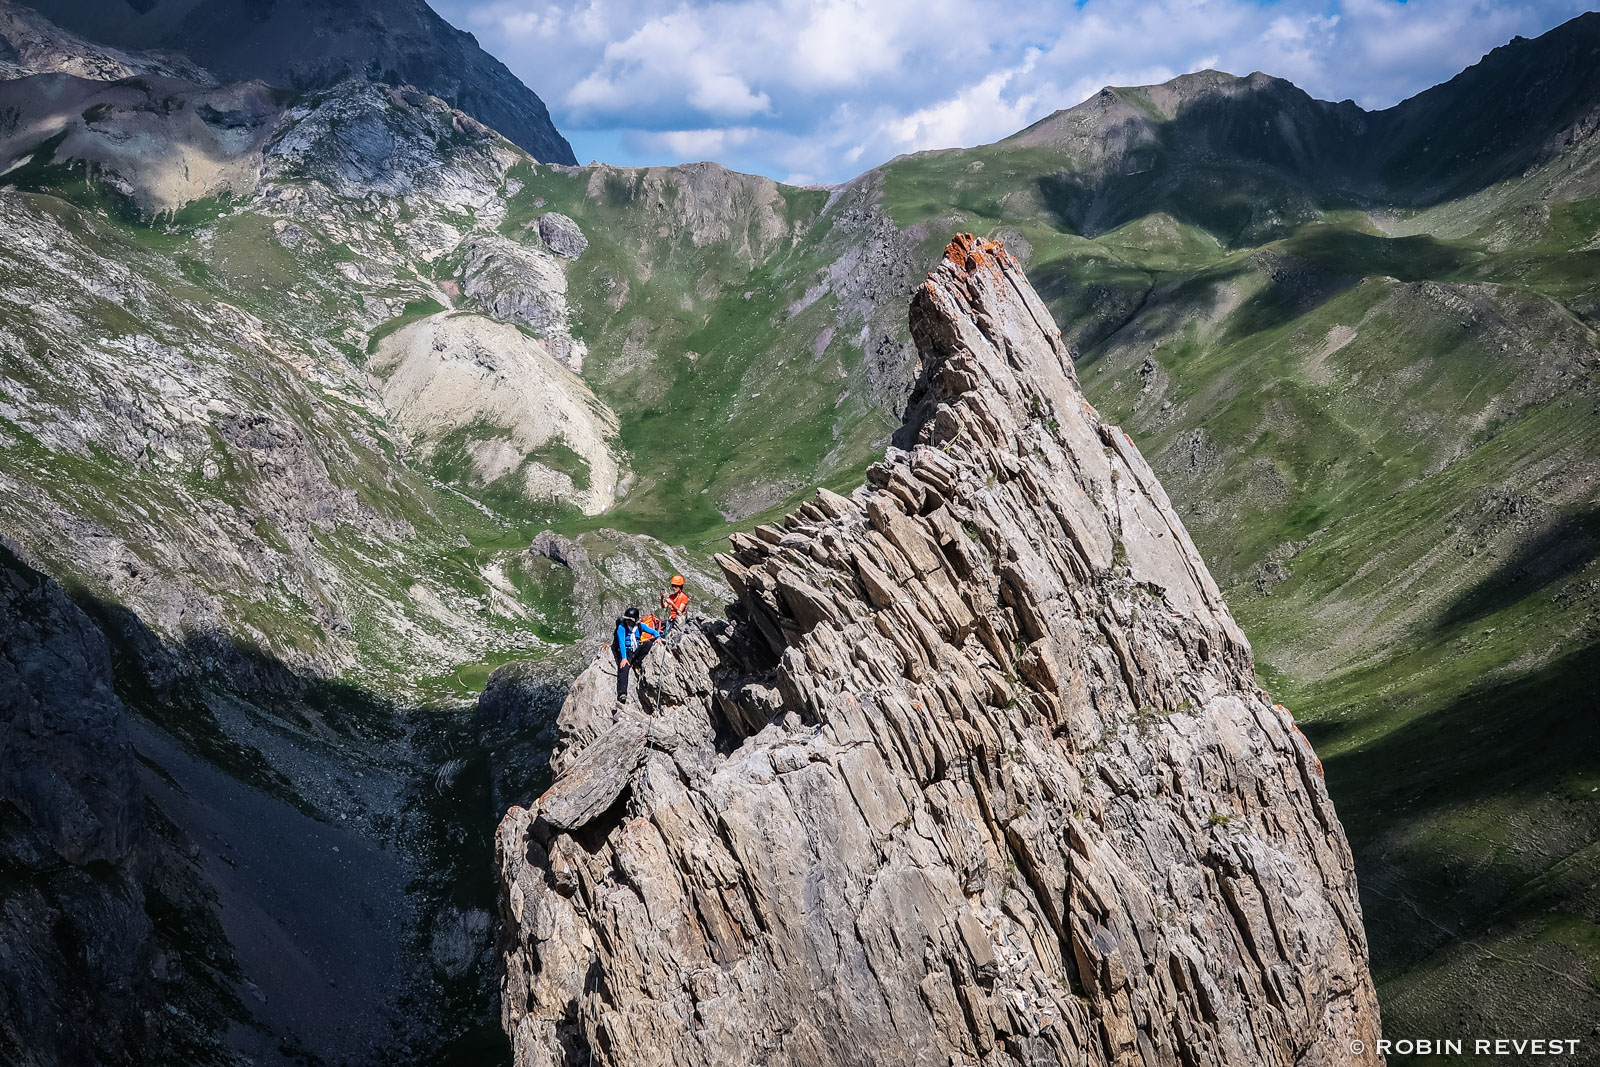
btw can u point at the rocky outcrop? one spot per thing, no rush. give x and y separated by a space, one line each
974 771
357 140
527 286
465 387
562 235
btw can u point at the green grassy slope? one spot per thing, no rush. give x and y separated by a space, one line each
733 391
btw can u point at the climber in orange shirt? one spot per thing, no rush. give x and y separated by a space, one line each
674 602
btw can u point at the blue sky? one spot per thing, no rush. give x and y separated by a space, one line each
820 90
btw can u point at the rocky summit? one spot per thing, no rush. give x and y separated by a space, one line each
974 770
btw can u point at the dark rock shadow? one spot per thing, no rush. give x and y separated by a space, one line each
516 725
308 877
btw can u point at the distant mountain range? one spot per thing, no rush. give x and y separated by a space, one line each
311 44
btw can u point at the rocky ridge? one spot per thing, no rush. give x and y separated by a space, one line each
31 44
974 771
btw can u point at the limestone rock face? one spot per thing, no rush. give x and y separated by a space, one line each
526 286
975 771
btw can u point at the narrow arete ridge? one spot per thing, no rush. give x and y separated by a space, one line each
975 770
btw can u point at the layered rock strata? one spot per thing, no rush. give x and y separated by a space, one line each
975 771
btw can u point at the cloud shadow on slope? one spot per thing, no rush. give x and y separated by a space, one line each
1442 811
1565 547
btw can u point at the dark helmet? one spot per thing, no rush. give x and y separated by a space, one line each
632 614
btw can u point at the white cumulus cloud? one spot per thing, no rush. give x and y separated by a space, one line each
819 90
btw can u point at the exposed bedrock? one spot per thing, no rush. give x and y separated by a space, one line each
975 771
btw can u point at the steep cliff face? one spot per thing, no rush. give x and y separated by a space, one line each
975 770
98 903
70 801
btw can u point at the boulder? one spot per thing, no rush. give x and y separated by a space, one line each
561 235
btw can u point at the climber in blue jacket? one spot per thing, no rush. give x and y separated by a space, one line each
626 648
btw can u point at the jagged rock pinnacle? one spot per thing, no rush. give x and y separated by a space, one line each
974 772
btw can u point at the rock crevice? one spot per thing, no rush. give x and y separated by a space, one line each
975 771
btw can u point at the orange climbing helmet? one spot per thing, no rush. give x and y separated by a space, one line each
675 601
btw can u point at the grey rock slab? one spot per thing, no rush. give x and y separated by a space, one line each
561 235
594 780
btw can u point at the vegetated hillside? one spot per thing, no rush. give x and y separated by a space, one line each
743 331
190 410
308 44
235 411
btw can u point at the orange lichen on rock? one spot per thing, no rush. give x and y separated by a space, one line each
1296 728
969 252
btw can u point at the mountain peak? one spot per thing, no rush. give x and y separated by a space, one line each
975 769
304 44
1138 110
